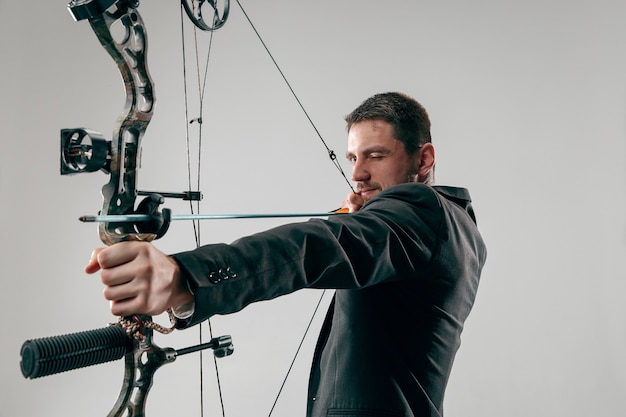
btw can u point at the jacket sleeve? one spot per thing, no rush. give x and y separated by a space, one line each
390 238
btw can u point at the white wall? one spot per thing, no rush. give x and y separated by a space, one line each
527 100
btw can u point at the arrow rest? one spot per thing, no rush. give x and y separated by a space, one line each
160 219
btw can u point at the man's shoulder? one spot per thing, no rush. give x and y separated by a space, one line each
453 193
418 190
435 196
414 195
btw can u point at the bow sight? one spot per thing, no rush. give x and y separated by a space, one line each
85 150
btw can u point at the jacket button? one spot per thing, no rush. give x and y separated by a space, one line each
214 278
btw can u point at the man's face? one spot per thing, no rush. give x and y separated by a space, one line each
379 161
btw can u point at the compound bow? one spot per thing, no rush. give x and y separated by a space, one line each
84 150
121 218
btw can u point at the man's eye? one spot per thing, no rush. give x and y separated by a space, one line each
352 159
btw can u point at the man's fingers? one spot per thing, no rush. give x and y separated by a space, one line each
354 202
93 266
118 254
119 287
112 256
138 278
125 307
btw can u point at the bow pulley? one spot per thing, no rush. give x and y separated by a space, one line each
218 9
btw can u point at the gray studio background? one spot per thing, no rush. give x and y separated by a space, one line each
528 104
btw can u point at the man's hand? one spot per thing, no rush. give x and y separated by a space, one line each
353 202
138 279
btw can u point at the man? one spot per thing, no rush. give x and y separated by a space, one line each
405 265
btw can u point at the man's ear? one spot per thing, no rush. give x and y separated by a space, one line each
426 162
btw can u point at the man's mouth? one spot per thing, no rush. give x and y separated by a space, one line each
367 191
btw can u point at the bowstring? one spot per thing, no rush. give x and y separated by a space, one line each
201 85
333 158
331 153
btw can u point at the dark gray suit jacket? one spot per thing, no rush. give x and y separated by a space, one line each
406 268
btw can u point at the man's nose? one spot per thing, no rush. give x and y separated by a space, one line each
359 172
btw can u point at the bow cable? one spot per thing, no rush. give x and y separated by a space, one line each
201 85
331 154
333 158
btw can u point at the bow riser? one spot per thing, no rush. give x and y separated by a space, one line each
120 193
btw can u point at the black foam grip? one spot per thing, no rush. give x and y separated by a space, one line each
52 355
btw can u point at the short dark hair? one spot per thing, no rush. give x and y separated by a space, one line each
410 121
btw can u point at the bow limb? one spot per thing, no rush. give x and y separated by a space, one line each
123 153
129 54
119 193
140 364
